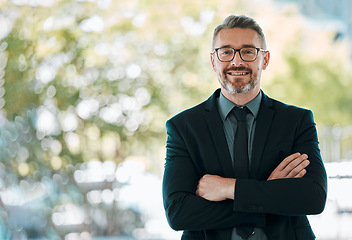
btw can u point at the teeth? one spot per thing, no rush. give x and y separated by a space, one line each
237 74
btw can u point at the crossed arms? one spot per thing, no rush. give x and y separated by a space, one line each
216 188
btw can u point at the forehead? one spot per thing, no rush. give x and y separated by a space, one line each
237 38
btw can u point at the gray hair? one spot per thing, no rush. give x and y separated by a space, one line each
240 21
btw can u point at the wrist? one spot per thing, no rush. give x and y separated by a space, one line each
231 188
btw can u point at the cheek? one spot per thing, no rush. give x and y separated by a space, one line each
257 72
258 68
218 68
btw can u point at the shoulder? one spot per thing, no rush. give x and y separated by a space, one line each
285 110
281 106
186 121
189 114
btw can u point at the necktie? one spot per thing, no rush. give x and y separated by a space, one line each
241 144
241 159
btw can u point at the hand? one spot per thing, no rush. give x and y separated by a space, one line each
292 166
216 188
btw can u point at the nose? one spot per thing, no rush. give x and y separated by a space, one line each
237 61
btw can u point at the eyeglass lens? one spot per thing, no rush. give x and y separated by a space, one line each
246 54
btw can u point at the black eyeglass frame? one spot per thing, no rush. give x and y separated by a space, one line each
239 52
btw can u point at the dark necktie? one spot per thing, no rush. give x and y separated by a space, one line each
241 144
241 159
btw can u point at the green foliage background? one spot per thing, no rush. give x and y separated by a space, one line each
150 54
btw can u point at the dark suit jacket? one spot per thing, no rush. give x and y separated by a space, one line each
196 145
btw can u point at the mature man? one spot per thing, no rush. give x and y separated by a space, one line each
242 165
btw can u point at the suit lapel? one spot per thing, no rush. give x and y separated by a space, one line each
216 129
263 125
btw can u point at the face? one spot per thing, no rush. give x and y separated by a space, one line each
239 76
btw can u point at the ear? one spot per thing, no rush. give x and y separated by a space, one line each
212 61
266 59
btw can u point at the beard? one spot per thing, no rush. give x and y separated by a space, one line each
231 88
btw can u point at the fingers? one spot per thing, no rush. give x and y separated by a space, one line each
288 160
301 173
198 187
292 166
297 168
216 188
201 185
293 163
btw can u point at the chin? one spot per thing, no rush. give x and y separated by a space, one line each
234 90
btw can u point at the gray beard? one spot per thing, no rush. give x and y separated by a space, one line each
230 89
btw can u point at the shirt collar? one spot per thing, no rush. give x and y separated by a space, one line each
225 105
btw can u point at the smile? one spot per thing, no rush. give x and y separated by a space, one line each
237 73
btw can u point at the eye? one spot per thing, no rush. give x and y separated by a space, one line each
226 51
248 51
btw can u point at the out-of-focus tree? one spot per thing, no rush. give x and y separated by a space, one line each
85 80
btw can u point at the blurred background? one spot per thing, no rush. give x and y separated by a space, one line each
87 85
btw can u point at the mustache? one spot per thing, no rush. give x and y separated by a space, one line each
238 69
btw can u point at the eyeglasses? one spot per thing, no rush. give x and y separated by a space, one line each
247 54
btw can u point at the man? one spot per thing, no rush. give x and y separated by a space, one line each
217 185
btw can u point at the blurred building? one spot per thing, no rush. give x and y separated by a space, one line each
326 14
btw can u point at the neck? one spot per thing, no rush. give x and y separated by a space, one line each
241 99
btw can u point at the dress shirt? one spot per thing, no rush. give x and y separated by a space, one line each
230 126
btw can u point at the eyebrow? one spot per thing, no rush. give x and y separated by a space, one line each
243 46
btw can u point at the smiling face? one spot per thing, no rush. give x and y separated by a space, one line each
239 76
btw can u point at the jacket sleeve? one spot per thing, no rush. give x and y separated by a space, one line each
295 196
184 209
